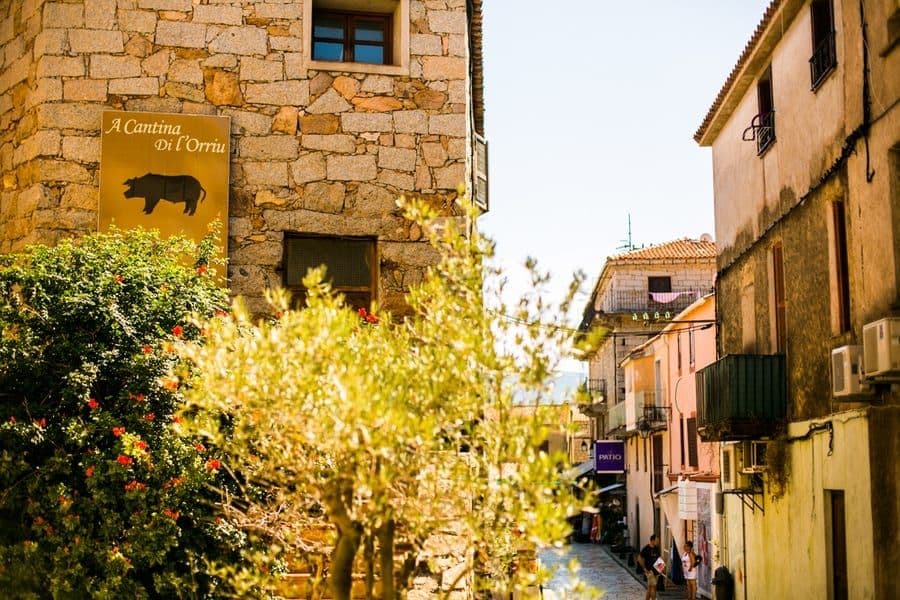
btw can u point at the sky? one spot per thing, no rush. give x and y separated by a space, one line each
590 111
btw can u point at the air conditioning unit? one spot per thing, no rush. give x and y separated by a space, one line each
846 371
734 475
881 349
754 457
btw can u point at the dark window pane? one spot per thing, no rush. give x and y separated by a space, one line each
329 27
347 262
328 51
368 54
369 31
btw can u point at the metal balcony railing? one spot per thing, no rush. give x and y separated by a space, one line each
637 301
741 397
656 415
616 416
823 60
596 388
765 130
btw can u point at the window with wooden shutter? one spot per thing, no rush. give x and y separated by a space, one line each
349 266
778 295
480 172
692 442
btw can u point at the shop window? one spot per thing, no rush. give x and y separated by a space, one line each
349 266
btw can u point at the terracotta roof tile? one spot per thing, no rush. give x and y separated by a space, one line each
684 248
732 77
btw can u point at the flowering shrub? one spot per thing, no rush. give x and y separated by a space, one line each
102 495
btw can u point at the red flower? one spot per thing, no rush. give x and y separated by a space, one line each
12 420
42 422
124 460
118 431
200 447
201 269
221 313
119 279
89 472
176 419
213 464
177 331
370 318
171 514
133 486
361 312
171 383
141 444
147 349
39 520
150 417
93 404
174 482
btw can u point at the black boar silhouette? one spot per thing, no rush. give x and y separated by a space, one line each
174 188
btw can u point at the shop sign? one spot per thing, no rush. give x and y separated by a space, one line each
164 171
609 456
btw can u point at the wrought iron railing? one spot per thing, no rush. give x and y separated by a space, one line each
640 302
595 387
823 60
765 130
656 415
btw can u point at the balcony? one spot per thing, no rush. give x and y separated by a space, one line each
823 60
616 417
638 301
592 401
645 411
741 397
656 416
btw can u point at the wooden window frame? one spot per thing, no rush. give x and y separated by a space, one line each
350 18
822 37
299 292
693 451
765 98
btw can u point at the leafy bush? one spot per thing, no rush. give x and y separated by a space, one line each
102 495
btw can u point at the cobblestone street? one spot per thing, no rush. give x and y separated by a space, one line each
597 569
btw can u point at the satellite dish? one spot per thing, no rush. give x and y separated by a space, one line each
705 237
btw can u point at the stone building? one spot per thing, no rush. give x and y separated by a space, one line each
635 296
337 107
805 138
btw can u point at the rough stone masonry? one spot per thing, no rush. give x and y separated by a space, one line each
324 152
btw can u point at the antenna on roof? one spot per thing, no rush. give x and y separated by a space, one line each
627 245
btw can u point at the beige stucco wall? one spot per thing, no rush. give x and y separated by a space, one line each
809 128
789 536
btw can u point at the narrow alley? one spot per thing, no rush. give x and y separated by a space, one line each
599 570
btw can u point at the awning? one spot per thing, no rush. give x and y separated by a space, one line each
610 488
580 470
668 490
668 501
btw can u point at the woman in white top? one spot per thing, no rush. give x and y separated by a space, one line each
689 563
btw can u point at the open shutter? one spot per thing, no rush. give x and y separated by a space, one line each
480 196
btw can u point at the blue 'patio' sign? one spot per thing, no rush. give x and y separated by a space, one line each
609 456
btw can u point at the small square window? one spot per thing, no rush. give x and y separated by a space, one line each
341 36
349 266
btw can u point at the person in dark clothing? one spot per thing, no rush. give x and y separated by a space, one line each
647 557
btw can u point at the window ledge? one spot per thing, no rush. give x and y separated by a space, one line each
352 67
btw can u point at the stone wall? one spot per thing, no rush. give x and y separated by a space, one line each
324 152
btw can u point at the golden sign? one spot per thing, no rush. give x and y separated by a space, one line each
165 171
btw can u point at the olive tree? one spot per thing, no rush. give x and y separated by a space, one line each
382 432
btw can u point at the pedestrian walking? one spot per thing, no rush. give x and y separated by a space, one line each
647 559
689 563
